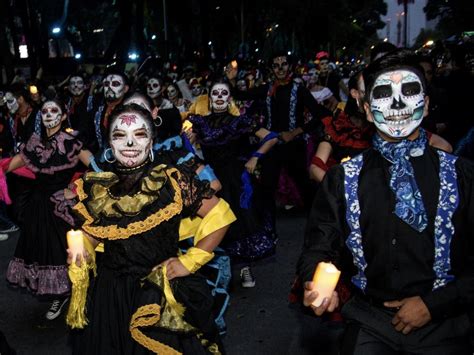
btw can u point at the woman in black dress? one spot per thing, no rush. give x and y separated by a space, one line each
146 296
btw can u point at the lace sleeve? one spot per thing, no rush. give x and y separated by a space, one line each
193 191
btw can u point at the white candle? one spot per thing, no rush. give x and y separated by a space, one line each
75 243
325 280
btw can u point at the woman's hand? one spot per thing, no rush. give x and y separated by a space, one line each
85 256
251 165
174 268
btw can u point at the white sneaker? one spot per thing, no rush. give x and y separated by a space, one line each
56 308
246 277
3 237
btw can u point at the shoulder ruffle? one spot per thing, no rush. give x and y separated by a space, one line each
111 217
60 152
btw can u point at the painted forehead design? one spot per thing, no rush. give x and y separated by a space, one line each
50 104
112 77
396 77
129 119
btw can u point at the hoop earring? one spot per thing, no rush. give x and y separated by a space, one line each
161 121
106 156
151 155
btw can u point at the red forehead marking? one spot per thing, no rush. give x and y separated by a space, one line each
128 119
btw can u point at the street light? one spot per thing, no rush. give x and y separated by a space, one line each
429 43
209 43
78 56
153 37
133 56
56 30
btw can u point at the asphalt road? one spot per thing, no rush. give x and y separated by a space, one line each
259 320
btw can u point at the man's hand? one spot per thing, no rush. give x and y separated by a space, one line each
174 268
310 295
412 314
251 164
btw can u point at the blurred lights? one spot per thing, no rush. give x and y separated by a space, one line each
209 43
385 39
429 43
56 30
78 56
133 56
98 30
289 52
23 49
153 37
33 90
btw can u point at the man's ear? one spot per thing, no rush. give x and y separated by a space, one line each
427 105
126 88
368 113
63 117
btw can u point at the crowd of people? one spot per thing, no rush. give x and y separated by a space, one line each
165 175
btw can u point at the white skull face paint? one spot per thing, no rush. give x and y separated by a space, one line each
313 76
220 96
196 89
172 92
130 139
153 87
280 67
114 87
76 86
51 114
242 85
12 103
397 103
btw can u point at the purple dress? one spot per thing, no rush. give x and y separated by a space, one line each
39 262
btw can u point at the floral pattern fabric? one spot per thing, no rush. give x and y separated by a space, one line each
409 204
443 231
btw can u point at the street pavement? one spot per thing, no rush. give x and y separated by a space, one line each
259 320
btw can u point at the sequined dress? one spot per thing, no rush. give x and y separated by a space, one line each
225 142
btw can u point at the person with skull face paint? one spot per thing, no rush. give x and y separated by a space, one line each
286 102
39 262
397 219
154 91
21 125
174 95
115 86
142 275
79 118
225 142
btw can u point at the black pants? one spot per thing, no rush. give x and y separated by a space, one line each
292 156
370 332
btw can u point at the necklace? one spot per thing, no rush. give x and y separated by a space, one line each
128 170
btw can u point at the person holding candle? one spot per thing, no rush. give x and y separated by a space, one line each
52 153
147 297
397 220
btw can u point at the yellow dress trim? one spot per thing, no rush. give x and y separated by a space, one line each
113 232
79 276
147 316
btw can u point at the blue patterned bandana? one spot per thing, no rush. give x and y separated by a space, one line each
409 204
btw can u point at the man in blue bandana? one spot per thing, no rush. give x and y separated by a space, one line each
398 221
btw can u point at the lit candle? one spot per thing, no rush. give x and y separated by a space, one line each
75 243
325 280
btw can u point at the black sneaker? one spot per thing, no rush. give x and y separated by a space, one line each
56 308
246 277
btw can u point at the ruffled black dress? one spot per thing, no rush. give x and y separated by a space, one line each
225 142
39 262
136 213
